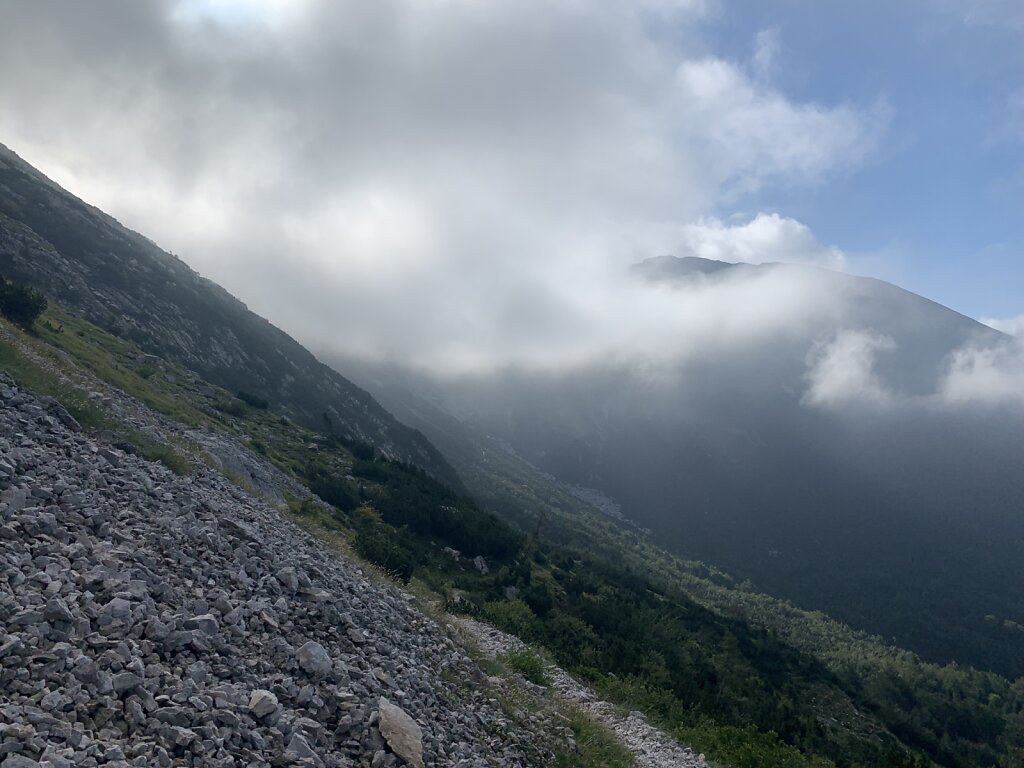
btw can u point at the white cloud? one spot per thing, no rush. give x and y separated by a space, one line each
842 370
766 238
989 375
452 182
751 134
1014 326
767 45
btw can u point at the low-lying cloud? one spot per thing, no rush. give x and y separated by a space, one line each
1012 326
766 238
989 375
841 370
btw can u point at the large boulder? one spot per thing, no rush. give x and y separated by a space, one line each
401 732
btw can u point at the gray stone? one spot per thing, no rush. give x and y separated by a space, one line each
299 748
402 733
288 579
314 659
118 608
18 761
262 703
206 623
14 498
57 610
125 681
173 716
146 630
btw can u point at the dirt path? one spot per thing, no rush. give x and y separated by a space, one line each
651 748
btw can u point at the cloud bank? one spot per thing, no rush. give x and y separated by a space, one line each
842 370
455 184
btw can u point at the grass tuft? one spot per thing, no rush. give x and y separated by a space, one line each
528 663
596 745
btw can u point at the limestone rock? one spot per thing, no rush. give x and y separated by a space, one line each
262 703
314 658
402 733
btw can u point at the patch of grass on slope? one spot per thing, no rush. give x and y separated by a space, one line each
34 377
161 386
597 746
528 663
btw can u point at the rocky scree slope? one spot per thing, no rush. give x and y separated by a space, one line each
124 283
152 619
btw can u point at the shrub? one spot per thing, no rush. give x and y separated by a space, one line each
252 400
378 546
528 663
20 304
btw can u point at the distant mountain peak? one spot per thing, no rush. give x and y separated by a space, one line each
668 267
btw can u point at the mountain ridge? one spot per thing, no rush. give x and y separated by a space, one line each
122 281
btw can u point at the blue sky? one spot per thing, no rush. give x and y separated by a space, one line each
477 175
939 209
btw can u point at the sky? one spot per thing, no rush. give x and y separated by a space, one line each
464 182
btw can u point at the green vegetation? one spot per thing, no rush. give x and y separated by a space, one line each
28 374
20 304
746 679
528 663
32 375
163 387
165 454
596 746
254 401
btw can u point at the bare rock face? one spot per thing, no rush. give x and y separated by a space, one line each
402 733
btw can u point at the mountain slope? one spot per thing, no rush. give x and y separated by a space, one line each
183 621
124 283
739 676
897 513
746 679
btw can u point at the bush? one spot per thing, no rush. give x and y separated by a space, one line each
379 546
334 490
391 550
252 400
528 663
20 304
